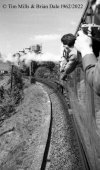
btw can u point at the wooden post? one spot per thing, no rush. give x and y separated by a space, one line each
12 76
30 71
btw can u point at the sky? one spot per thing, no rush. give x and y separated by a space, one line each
28 22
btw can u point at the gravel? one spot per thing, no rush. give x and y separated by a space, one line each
64 151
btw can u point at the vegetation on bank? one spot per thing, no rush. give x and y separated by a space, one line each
11 95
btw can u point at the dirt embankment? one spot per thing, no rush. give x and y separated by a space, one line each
23 136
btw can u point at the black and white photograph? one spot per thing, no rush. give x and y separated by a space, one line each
49 84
